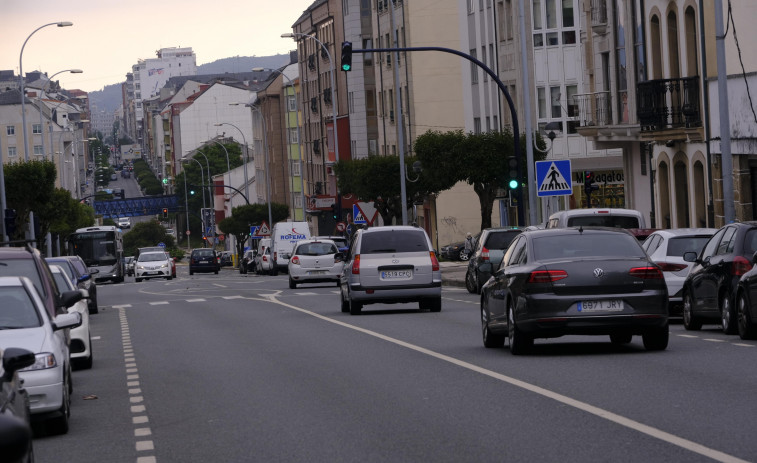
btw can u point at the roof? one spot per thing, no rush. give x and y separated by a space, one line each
12 97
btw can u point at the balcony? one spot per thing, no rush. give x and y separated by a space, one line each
599 16
666 104
593 109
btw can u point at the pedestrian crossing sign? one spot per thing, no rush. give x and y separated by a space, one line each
553 178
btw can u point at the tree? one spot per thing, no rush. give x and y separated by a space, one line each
144 234
64 214
29 186
243 217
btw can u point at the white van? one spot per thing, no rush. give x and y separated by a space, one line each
597 217
283 238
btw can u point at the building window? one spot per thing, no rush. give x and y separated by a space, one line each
298 201
554 98
476 125
38 150
541 101
10 130
471 8
367 57
537 15
488 124
293 138
483 60
292 103
11 151
37 128
473 68
295 168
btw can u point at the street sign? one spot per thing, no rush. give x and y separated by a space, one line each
162 244
341 226
265 230
357 215
553 178
188 232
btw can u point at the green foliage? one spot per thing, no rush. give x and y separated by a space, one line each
147 180
29 186
65 214
178 253
144 234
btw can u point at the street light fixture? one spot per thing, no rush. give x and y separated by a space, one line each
299 137
267 165
246 155
228 165
42 92
202 177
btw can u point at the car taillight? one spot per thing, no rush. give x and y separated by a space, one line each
740 266
670 267
265 258
434 262
295 260
356 265
484 253
646 273
547 276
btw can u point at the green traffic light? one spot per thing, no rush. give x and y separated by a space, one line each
191 192
513 184
346 67
165 181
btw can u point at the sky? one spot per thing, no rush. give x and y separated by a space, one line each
109 36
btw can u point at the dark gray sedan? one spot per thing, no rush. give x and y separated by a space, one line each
581 281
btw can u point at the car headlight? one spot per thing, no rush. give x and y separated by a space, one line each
42 361
164 266
141 267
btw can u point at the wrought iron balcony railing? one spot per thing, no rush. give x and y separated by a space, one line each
669 103
593 109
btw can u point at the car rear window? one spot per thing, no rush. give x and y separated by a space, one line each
614 221
316 249
578 246
22 268
678 246
203 253
500 239
393 241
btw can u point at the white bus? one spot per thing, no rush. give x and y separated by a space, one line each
102 249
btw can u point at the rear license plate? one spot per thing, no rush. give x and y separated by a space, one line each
396 274
317 272
605 305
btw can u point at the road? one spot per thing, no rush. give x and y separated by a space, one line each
235 368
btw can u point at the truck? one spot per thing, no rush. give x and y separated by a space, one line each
284 236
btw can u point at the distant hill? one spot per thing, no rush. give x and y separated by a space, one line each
109 98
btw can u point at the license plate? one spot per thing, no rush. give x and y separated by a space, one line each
205 261
317 272
396 274
604 305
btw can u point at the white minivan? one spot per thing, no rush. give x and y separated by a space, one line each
283 238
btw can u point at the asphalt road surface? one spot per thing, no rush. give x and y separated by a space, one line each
233 368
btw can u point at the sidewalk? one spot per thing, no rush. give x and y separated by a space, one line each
453 273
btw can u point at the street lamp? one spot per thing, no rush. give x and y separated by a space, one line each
42 92
299 137
246 156
23 108
202 177
228 166
267 165
333 87
210 191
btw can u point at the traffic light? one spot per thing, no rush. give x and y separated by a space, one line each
165 212
191 192
589 186
10 222
512 172
346 56
334 211
165 180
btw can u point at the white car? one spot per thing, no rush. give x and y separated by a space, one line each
315 261
666 248
124 222
152 265
27 325
81 341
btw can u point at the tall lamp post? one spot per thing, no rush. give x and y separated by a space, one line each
246 156
202 177
44 89
333 86
267 165
210 192
228 165
299 137
23 106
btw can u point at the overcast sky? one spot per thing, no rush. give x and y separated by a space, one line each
109 36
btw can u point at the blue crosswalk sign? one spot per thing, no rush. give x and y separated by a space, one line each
553 178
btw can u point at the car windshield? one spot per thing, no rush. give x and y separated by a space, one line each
152 257
581 245
394 241
678 246
315 249
614 221
202 253
22 268
500 239
17 309
63 283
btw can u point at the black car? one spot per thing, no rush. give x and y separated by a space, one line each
203 260
710 287
14 404
746 303
454 251
486 256
575 281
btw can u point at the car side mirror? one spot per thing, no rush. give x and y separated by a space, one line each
67 320
338 257
14 359
84 278
94 271
69 298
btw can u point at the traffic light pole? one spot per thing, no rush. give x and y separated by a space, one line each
516 129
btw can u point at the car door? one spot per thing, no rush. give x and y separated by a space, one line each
703 276
512 260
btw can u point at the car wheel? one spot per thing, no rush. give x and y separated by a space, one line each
59 424
620 338
292 284
690 322
216 272
345 303
432 305
656 338
519 343
746 329
470 285
727 315
137 280
355 307
274 272
191 272
169 277
490 339
463 255
92 307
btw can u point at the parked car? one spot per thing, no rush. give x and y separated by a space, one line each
597 217
490 247
155 264
263 257
124 222
666 248
746 303
14 405
710 287
315 261
74 266
28 325
172 260
586 281
391 264
342 243
247 264
454 251
226 259
80 347
129 265
203 260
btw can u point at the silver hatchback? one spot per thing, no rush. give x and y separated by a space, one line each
393 264
314 261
